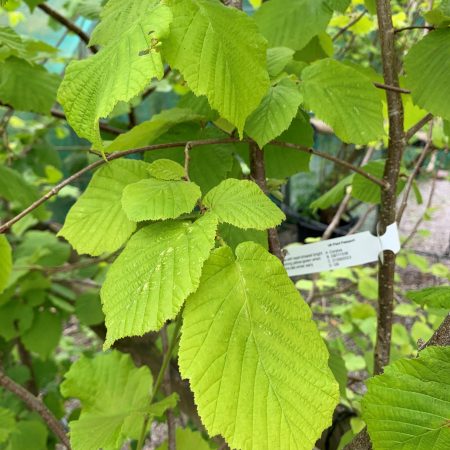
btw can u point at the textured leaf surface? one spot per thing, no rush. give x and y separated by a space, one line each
92 87
242 203
5 262
277 59
408 407
97 224
428 66
221 54
149 281
275 113
115 398
27 87
155 199
11 44
166 169
268 385
233 236
433 297
292 23
345 99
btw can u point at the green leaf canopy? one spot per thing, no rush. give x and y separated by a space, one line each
254 358
148 283
221 54
408 407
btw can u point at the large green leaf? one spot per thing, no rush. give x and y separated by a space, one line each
97 224
267 384
154 199
149 281
220 54
408 407
275 113
292 23
428 66
147 132
345 99
5 262
115 396
26 86
243 204
433 297
120 71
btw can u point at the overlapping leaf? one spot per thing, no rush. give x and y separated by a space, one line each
220 54
433 297
149 281
408 407
120 71
267 383
242 203
97 224
5 262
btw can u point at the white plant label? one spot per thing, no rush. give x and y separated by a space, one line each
347 251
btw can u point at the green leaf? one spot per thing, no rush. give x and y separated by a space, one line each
339 5
97 224
187 439
367 191
249 327
277 59
220 54
44 335
115 397
345 99
275 113
155 199
28 434
5 262
433 297
7 424
427 66
332 196
292 23
92 87
149 282
408 407
166 169
15 319
11 44
147 132
243 204
234 236
88 308
284 162
319 47
26 86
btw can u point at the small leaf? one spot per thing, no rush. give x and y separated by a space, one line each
243 204
249 327
332 196
292 23
166 169
148 283
408 407
275 113
187 439
345 99
277 59
220 54
5 262
97 224
115 397
427 66
433 297
155 199
88 309
7 424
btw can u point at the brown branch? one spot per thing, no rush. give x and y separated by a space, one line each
68 24
36 405
384 184
349 25
103 126
414 27
396 147
387 87
417 127
426 150
258 174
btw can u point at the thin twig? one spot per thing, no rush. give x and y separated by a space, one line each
349 25
387 87
414 27
187 159
417 127
36 405
361 220
412 177
68 24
